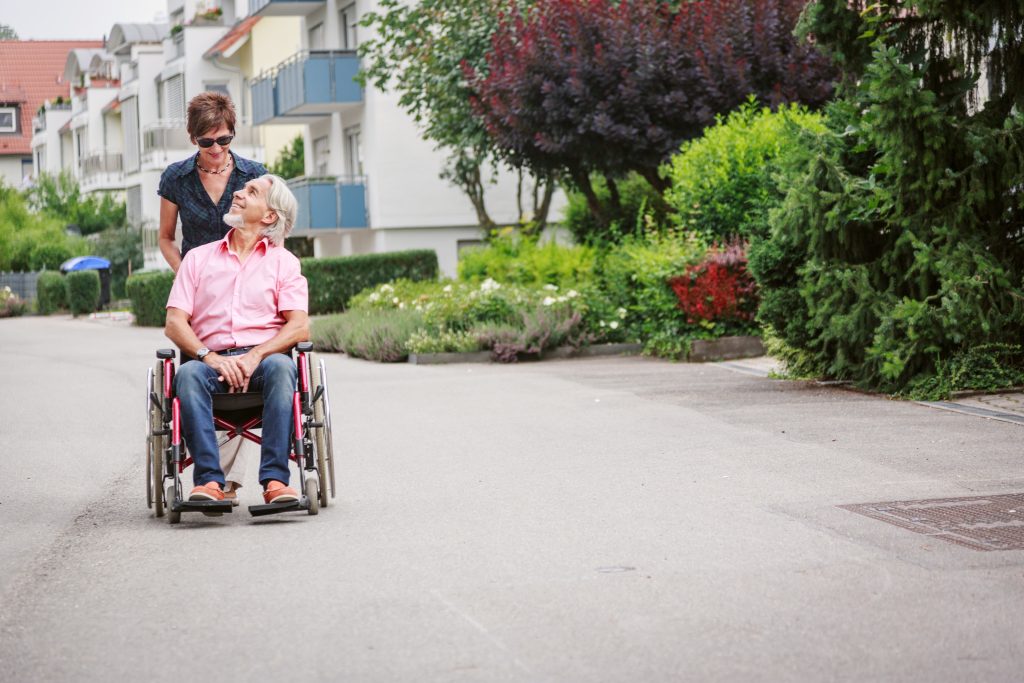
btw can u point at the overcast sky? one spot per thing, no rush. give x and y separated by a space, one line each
75 19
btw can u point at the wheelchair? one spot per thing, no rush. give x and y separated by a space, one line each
236 415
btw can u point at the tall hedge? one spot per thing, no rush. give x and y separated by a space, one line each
148 293
899 248
51 293
83 291
333 281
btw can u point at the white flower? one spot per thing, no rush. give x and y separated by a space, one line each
621 312
489 285
401 304
614 324
551 288
572 294
548 301
387 288
602 323
447 288
394 300
374 296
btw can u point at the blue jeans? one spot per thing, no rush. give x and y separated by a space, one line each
196 382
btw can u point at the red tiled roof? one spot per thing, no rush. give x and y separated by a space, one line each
31 72
237 32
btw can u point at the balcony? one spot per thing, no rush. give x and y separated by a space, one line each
328 203
307 86
284 8
166 141
102 171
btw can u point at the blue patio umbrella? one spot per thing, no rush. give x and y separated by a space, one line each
84 263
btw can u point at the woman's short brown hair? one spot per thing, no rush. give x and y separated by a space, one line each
209 111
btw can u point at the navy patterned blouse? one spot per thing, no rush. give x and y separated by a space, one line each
202 221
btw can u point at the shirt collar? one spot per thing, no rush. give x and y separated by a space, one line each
225 243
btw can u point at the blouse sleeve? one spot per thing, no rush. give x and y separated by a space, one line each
168 188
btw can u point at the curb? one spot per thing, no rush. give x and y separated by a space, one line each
561 352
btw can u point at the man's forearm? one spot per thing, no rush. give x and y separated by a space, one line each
183 337
293 332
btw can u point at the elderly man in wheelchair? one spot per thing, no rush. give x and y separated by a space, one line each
237 309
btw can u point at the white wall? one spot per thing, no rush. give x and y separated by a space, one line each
10 169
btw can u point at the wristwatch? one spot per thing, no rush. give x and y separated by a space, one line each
202 353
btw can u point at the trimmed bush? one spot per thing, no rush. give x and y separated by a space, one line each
83 291
148 293
48 256
724 183
51 293
517 260
333 281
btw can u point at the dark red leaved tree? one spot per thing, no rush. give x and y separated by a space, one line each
575 87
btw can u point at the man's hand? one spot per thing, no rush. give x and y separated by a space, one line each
247 364
228 370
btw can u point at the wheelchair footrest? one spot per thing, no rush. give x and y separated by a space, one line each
202 506
274 508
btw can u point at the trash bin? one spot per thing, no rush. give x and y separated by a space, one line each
100 265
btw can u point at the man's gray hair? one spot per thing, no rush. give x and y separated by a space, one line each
280 200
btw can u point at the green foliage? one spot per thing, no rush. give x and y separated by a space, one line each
51 293
123 248
371 334
60 197
900 244
635 280
445 341
22 231
986 367
291 162
333 281
148 293
11 305
513 259
725 183
83 291
46 256
7 32
638 206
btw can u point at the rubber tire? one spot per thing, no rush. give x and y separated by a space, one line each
319 440
311 495
173 516
157 446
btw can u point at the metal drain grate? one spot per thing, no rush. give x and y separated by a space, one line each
978 522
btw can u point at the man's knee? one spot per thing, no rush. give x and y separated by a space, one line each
190 375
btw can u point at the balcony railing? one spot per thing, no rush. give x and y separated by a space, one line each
101 162
326 203
166 140
282 8
306 86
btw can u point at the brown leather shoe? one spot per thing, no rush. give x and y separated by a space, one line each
209 491
277 492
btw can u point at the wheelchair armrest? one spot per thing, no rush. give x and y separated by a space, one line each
165 353
304 347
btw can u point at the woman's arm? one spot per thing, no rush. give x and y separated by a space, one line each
165 238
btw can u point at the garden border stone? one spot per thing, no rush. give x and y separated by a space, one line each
725 348
560 352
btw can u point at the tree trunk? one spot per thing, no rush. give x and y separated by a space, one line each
652 176
541 208
582 181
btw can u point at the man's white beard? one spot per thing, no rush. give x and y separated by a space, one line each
233 220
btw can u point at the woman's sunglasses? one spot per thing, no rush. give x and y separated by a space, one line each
223 141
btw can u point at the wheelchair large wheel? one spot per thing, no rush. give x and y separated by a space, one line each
155 445
324 441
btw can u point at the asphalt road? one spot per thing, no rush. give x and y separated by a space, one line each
586 520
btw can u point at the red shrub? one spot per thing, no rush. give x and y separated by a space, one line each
719 289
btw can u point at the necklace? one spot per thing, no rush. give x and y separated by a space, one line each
206 170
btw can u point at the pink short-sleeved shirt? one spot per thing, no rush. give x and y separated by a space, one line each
233 303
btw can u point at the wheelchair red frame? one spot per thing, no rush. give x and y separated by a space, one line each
237 415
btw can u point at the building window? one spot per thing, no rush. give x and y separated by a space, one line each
321 156
133 205
130 126
348 27
173 98
222 88
354 151
8 119
316 37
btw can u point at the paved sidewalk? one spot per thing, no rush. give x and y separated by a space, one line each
606 519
